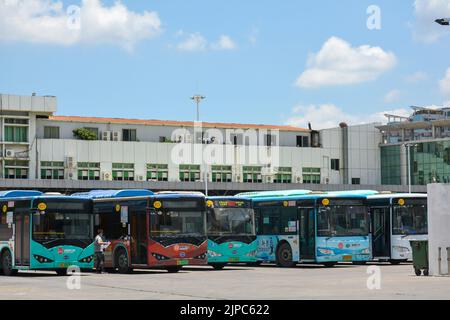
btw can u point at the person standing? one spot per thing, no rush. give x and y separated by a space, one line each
99 257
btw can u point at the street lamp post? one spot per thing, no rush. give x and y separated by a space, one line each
198 98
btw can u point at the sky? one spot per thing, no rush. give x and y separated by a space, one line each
256 61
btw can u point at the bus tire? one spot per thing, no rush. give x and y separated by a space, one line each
329 264
284 255
7 265
122 262
173 269
61 272
218 266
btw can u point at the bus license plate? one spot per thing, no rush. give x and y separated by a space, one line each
182 262
347 257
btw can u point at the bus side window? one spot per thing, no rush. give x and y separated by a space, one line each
271 221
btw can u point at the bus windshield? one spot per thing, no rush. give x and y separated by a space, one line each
227 221
51 226
410 220
173 223
343 221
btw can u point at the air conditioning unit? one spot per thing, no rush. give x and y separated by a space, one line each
70 162
106 135
116 136
107 176
140 178
9 153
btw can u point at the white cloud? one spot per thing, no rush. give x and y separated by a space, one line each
193 42
329 116
47 21
426 11
197 42
224 43
338 63
392 96
416 77
444 84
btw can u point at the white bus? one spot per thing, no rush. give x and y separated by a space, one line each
396 219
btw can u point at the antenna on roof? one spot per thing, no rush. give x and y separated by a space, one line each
309 126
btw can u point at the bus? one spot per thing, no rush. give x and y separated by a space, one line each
44 232
231 231
396 219
148 230
316 227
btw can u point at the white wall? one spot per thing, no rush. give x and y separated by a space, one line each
438 226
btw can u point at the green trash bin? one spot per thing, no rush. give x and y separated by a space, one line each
420 256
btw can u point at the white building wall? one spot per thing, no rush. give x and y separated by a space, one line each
438 227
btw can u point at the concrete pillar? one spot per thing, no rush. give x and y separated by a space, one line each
438 228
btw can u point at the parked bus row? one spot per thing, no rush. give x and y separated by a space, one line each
170 230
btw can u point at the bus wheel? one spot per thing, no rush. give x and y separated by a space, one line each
329 264
61 272
122 262
7 264
218 266
173 269
284 256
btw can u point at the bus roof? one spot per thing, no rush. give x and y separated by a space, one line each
313 196
270 194
179 195
227 198
19 193
180 192
397 195
105 194
354 192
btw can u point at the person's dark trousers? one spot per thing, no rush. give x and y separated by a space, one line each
99 259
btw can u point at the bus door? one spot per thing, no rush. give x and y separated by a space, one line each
139 236
381 234
306 233
22 238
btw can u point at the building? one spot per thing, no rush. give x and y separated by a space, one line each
424 138
70 153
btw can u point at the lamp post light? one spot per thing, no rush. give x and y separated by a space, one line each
198 98
408 151
443 21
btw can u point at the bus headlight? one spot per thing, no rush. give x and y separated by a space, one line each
42 259
86 259
214 254
158 256
202 256
365 251
326 251
400 249
251 253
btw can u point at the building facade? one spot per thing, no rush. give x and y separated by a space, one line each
43 150
423 141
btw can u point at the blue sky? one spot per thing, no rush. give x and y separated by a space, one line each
245 56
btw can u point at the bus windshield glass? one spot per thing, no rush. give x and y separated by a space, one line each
50 226
343 221
409 220
173 223
230 221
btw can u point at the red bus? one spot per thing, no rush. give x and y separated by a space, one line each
145 230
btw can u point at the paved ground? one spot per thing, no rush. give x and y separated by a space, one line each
236 282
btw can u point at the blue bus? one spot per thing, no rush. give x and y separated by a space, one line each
44 232
316 227
231 231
